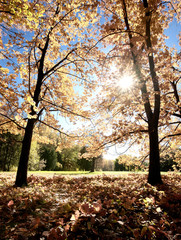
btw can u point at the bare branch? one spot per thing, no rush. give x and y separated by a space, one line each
144 119
58 108
56 65
12 120
130 145
115 31
3 11
144 158
5 123
58 130
119 137
169 136
73 75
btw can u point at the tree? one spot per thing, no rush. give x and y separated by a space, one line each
170 156
68 158
119 166
89 160
127 163
10 148
83 163
47 153
96 163
109 165
35 163
134 33
51 62
93 163
166 163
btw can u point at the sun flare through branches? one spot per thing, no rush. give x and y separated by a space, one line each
124 80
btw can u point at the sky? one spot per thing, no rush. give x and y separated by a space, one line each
172 32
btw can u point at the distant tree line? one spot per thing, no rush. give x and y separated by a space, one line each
169 161
44 156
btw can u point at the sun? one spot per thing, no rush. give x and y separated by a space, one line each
125 82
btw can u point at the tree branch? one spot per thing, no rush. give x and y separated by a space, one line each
113 33
56 65
12 120
119 137
58 130
64 109
170 135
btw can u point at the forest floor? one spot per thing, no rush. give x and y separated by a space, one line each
97 207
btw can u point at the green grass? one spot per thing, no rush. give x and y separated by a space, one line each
72 173
85 173
78 173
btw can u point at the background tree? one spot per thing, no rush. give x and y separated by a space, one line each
127 163
119 166
167 162
10 148
83 163
108 165
47 153
96 163
170 156
35 163
68 158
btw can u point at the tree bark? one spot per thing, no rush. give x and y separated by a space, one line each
154 176
21 177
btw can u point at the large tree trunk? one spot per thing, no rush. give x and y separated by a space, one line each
154 176
21 177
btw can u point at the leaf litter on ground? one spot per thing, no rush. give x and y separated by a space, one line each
98 207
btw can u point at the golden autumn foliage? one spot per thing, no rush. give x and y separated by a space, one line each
66 61
64 28
124 108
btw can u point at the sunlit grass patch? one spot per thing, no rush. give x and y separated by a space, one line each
86 173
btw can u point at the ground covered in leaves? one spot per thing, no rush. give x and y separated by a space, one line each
97 207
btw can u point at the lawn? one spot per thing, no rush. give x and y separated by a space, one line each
57 205
79 173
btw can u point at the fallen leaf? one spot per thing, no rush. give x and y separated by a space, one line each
10 203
